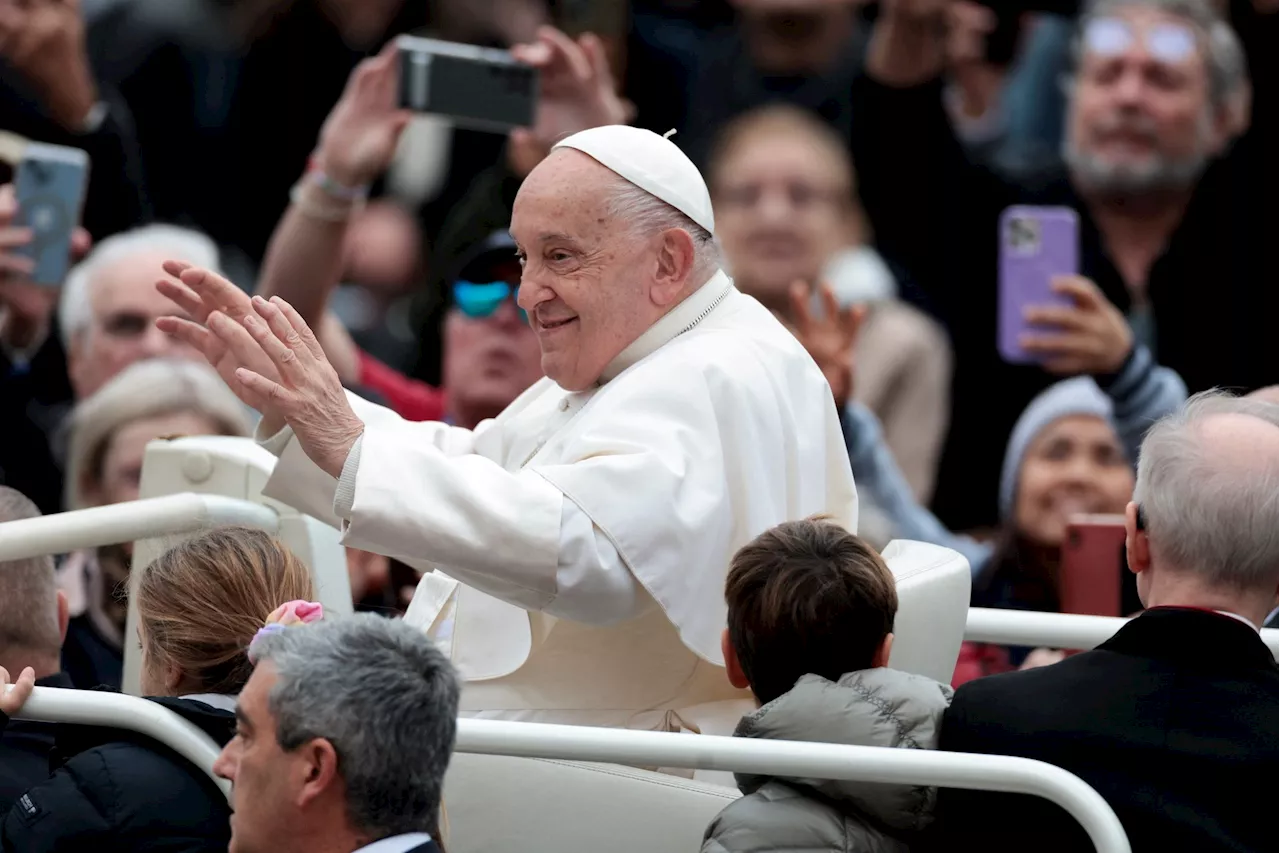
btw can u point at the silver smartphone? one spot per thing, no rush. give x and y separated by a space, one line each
478 87
50 185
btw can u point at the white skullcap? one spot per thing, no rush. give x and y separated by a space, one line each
651 162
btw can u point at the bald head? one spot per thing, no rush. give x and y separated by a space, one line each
1270 394
603 261
1209 488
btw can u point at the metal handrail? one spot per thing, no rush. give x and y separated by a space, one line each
809 760
185 512
1056 630
96 708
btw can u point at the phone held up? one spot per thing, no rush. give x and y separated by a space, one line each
1037 244
1093 577
50 185
480 88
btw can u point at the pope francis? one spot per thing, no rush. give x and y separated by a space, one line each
574 548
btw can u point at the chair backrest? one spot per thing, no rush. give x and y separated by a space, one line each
234 468
933 600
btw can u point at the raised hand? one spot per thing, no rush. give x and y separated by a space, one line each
577 92
831 339
25 307
1091 336
359 138
203 296
301 388
12 699
44 41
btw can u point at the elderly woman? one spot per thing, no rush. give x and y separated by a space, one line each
200 606
109 433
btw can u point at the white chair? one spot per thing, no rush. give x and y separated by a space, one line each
498 803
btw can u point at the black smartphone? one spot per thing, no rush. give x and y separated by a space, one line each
480 88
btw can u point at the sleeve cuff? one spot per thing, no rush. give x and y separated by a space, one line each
1131 375
273 444
345 496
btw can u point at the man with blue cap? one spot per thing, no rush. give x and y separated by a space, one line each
575 547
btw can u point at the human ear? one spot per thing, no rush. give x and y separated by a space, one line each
1136 545
318 770
674 266
881 657
732 668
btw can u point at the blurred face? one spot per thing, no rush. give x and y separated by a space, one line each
782 209
1140 119
489 360
262 802
588 283
1075 465
124 307
122 462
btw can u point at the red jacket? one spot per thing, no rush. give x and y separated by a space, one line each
411 399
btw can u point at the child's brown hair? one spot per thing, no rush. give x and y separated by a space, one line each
807 597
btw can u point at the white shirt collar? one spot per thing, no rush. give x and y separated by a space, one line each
674 323
396 843
1237 616
221 701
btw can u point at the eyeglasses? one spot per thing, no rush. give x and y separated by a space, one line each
480 300
1166 42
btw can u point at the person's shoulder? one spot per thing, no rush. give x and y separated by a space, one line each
776 816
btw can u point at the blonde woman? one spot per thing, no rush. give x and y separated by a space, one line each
200 606
108 436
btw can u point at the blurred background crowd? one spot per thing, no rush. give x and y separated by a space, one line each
858 163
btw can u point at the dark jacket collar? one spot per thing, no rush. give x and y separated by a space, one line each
58 679
218 724
1193 637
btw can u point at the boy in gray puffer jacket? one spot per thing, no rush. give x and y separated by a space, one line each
811 610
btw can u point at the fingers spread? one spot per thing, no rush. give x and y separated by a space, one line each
237 339
260 392
182 296
277 350
300 326
216 291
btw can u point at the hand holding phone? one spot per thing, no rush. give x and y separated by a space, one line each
1037 245
50 183
1094 576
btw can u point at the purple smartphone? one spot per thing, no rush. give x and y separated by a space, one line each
1036 244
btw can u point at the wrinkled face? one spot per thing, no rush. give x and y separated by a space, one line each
489 361
1074 466
263 806
782 206
587 279
121 470
122 330
1140 118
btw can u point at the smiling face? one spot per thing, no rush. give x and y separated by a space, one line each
1141 116
1074 466
589 285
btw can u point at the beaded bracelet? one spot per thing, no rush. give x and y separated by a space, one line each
340 212
334 188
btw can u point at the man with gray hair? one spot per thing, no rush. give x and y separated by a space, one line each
1173 719
33 624
343 735
1166 164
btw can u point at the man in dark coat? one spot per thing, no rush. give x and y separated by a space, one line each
33 622
1172 720
374 691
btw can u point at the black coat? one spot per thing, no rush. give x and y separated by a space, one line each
1172 721
114 791
25 749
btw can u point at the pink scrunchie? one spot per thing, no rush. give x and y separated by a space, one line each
287 615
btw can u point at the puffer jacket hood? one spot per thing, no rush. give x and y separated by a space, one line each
873 707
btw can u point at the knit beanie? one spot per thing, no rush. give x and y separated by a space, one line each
1078 396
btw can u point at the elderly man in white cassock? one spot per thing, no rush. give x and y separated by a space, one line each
574 548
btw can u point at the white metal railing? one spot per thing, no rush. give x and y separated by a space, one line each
127 522
812 760
96 708
1056 630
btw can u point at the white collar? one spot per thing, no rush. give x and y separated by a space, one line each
221 701
680 319
1237 616
396 843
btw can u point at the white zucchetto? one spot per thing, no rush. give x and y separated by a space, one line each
651 162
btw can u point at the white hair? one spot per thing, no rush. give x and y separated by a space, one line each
1220 522
145 389
646 214
75 306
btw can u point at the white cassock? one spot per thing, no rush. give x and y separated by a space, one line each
577 545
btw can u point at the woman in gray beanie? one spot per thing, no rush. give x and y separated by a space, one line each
1072 451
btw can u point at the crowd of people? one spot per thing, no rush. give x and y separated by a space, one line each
581 377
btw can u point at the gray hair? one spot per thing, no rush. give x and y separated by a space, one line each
1221 522
28 591
646 214
1224 55
387 700
145 389
75 306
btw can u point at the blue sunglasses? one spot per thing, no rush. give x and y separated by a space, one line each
482 300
